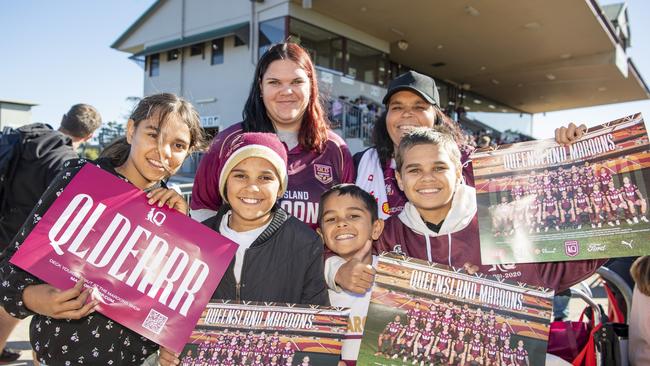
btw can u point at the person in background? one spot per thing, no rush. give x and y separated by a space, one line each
283 99
42 153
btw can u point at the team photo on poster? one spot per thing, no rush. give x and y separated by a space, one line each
246 333
540 201
423 313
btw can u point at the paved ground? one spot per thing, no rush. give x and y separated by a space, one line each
20 337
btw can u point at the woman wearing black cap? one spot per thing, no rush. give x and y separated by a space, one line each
412 100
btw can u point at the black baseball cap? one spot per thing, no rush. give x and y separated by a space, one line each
413 81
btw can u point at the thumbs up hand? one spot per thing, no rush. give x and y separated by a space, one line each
357 275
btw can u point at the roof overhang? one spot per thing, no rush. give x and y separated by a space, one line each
240 29
535 56
17 102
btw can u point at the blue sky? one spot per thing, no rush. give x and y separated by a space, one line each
57 53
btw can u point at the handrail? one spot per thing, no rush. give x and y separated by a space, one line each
615 279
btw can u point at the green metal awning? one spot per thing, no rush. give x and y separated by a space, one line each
240 29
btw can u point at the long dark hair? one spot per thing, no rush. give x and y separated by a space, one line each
313 129
385 146
161 105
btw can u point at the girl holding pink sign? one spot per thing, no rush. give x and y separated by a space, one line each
161 132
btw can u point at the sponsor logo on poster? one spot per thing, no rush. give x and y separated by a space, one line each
571 248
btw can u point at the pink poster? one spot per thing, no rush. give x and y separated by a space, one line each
152 269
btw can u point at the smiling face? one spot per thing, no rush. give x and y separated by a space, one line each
428 178
347 225
407 110
155 154
285 92
252 188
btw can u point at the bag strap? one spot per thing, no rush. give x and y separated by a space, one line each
587 357
615 313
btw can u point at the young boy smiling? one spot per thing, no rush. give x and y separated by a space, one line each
348 224
439 222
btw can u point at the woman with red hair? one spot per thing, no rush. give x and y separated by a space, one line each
283 99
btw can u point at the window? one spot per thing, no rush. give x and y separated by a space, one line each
154 65
217 51
196 49
239 41
173 55
325 48
365 63
271 31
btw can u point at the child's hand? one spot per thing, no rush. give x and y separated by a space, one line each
355 275
568 135
169 197
168 358
470 268
49 301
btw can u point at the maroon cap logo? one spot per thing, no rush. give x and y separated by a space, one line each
323 173
571 248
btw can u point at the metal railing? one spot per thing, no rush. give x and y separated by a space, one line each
354 121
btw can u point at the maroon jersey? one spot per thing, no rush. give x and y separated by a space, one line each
548 187
614 196
443 341
562 187
491 351
414 314
508 356
394 328
520 356
588 183
257 363
405 233
598 198
310 174
447 319
410 333
490 332
517 191
604 179
461 326
214 362
533 207
503 334
459 347
286 353
549 205
630 192
582 201
187 361
228 362
426 337
565 204
475 347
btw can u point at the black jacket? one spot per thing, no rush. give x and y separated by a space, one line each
93 340
43 153
284 264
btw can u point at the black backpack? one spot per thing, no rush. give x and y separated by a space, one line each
10 147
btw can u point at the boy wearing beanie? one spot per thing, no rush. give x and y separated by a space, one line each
279 259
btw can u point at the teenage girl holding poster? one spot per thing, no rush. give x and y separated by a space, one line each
161 132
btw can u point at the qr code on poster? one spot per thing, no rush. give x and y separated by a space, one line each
155 321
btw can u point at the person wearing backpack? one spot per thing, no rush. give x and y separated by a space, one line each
35 161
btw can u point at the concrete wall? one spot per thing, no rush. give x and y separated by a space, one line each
215 90
14 115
